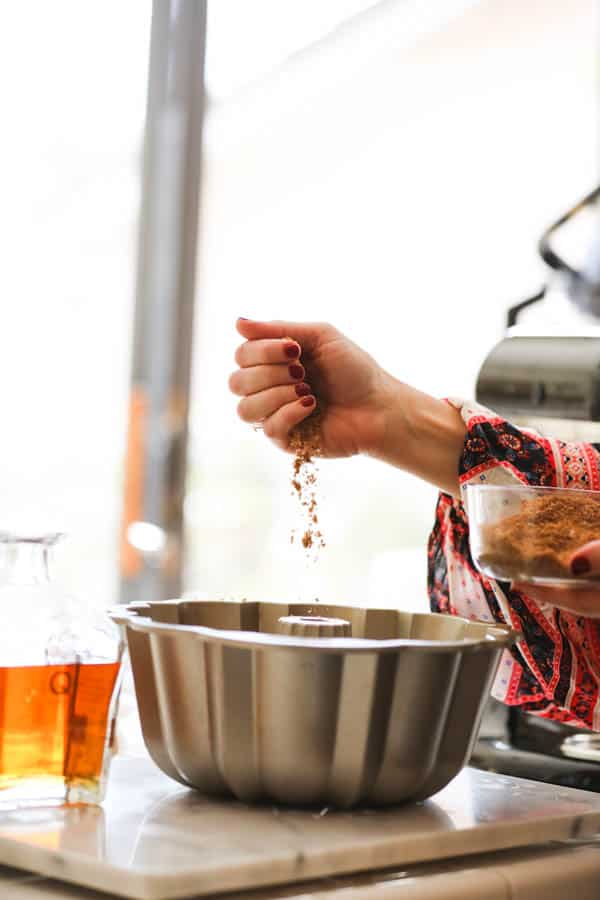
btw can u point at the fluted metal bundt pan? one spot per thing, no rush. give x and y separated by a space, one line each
231 705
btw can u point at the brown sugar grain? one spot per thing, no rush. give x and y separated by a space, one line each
305 443
541 538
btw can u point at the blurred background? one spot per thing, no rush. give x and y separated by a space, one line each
387 166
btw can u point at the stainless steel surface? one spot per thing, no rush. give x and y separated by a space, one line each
546 377
155 477
228 705
582 746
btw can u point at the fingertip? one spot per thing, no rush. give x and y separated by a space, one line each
580 565
297 411
302 408
586 560
232 383
244 326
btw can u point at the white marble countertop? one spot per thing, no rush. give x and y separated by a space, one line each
155 840
558 872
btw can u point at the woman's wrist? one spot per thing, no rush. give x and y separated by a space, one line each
420 434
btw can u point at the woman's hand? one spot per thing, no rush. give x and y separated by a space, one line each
289 369
585 563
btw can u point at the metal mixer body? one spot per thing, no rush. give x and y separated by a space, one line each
548 379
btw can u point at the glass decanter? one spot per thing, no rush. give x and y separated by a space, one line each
59 684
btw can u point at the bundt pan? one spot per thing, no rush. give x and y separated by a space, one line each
260 701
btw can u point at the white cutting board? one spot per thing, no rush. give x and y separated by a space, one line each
152 839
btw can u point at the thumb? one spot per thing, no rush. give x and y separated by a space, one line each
308 334
586 560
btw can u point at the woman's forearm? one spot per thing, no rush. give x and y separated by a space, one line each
422 435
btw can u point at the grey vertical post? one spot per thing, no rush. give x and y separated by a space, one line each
152 528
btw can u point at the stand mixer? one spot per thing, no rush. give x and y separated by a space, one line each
541 377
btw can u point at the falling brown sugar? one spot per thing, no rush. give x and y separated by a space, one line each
305 443
541 538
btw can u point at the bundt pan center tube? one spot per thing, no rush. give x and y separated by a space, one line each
247 699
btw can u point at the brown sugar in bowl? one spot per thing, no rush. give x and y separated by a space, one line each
522 533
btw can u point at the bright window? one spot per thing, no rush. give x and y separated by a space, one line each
388 166
393 179
73 103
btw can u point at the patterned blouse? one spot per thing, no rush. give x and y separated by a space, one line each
555 670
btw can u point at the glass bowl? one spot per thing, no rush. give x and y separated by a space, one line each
530 534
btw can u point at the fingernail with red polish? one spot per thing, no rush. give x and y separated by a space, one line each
580 565
292 350
308 401
243 319
303 389
296 371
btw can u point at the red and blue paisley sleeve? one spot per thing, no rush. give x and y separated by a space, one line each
555 669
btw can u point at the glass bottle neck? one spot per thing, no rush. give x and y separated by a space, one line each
24 562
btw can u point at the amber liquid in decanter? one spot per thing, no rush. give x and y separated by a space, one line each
59 684
53 723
